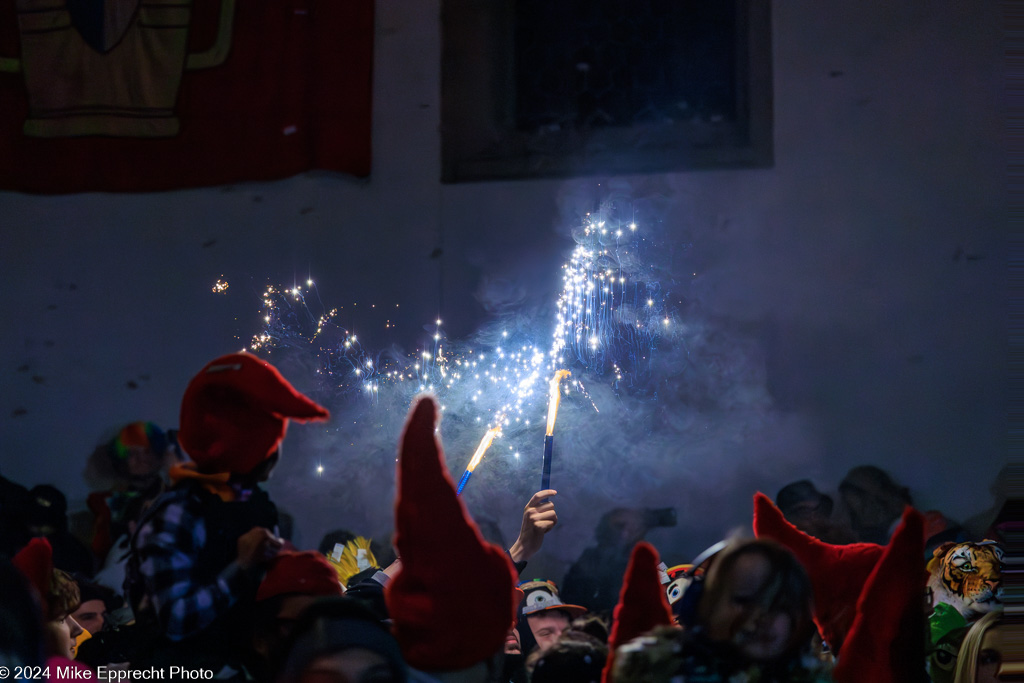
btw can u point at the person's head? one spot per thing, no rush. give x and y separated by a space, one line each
547 616
802 503
48 511
592 625
294 581
575 657
91 615
947 628
982 651
139 451
62 600
621 528
968 576
873 499
757 599
235 413
339 640
96 602
547 626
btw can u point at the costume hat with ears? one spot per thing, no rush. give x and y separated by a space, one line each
837 572
868 598
887 641
642 602
235 413
453 601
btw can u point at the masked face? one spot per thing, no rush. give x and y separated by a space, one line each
969 576
947 629
674 590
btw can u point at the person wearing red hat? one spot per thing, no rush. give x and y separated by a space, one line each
449 622
867 597
200 551
294 581
56 595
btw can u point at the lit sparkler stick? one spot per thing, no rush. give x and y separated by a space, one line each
554 395
485 443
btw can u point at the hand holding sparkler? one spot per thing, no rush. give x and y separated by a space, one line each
539 517
554 395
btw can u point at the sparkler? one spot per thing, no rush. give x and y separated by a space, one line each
554 395
610 313
608 320
485 443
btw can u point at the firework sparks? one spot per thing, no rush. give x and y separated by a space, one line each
607 320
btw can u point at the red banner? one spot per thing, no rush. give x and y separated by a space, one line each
145 95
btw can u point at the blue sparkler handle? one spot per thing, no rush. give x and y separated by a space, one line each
462 482
545 477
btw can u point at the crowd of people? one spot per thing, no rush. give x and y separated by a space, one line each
179 570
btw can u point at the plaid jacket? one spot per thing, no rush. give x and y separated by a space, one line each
170 548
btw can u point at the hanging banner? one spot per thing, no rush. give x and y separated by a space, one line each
146 95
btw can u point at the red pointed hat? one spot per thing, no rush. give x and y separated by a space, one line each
454 599
35 561
235 413
886 642
642 602
837 572
299 573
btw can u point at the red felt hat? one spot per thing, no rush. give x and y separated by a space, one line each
886 643
642 602
235 413
35 561
837 572
302 573
454 600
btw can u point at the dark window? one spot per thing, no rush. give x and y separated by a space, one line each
535 88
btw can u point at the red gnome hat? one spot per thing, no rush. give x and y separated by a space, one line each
642 602
299 573
235 413
35 562
453 601
886 643
837 572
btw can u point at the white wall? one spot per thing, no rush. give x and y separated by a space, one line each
838 283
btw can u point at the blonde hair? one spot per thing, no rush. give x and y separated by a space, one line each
967 661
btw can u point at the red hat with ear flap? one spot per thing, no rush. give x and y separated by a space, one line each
235 413
643 604
453 601
837 572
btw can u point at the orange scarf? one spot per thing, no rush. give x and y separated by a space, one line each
216 484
